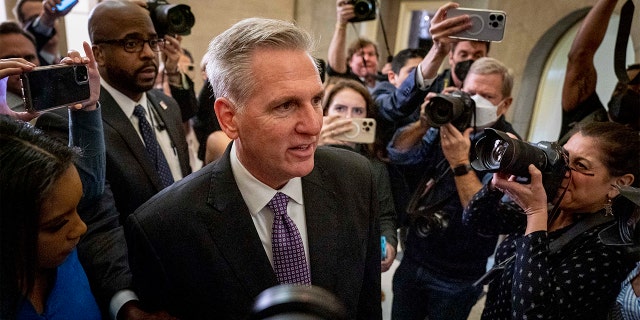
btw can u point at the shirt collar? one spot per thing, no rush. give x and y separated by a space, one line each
125 103
257 194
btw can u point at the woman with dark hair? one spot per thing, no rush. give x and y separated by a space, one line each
347 100
40 189
580 278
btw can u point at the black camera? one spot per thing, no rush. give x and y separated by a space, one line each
427 222
456 108
497 152
173 19
364 9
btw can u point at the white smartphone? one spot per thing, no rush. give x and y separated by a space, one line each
363 130
486 25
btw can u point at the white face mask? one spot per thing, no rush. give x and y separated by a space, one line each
486 113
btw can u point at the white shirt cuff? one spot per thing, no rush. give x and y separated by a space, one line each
118 300
423 84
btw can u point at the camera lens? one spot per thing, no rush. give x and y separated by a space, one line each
362 8
498 153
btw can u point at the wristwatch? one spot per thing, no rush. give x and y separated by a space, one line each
461 170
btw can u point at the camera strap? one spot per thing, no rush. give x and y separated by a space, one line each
620 54
427 185
590 221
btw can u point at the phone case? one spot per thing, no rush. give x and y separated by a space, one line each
65 4
363 131
486 25
49 87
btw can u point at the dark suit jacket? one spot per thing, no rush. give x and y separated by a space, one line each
132 176
194 250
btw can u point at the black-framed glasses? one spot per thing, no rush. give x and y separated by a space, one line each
135 45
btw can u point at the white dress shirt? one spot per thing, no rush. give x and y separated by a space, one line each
257 194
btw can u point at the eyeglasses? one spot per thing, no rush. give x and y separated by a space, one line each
135 45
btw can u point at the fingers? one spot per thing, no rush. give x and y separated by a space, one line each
14 66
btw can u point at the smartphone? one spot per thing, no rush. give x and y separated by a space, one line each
363 130
486 25
383 247
65 5
55 86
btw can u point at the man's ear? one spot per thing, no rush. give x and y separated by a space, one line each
393 77
504 106
98 55
226 113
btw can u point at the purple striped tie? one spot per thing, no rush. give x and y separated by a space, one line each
289 261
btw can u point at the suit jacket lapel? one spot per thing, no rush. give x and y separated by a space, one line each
113 116
322 228
160 107
233 229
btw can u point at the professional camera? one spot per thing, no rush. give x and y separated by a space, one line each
497 152
427 222
364 10
456 108
173 19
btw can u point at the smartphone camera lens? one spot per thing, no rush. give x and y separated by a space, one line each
81 74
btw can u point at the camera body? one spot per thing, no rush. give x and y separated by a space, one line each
364 9
55 86
497 152
456 108
173 19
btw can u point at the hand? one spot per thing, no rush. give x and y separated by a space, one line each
73 57
172 52
11 67
345 11
50 13
530 197
388 261
441 27
332 126
455 145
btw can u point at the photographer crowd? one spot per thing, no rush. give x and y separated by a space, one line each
308 182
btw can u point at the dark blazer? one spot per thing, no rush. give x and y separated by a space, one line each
132 176
194 250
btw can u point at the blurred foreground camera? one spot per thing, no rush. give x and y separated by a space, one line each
173 19
293 302
497 152
364 10
455 108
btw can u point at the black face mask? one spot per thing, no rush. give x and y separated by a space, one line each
624 107
461 69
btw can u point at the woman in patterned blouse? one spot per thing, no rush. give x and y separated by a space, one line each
582 278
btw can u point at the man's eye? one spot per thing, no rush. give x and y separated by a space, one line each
131 44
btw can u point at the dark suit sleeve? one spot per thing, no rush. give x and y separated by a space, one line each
103 249
150 279
369 306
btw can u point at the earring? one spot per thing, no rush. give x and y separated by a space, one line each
608 210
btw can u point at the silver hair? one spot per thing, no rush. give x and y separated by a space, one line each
229 55
488 65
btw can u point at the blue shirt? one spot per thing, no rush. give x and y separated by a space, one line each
629 302
70 297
